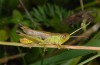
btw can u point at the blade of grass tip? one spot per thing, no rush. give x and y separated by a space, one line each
45 9
56 9
63 12
42 12
51 10
36 11
37 14
58 12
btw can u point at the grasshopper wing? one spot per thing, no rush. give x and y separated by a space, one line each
31 38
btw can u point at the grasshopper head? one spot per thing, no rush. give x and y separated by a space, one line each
64 37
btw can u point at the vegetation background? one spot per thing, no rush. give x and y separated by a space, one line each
46 15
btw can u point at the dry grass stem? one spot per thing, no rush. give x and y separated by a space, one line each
51 46
3 60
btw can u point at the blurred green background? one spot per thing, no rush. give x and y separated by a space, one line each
47 15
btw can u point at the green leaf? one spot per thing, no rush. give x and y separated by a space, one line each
17 17
50 8
42 12
14 36
3 35
58 12
98 15
73 61
37 14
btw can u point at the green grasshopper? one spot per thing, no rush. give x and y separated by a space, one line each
45 38
42 38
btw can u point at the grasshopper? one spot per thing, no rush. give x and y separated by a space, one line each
45 38
42 38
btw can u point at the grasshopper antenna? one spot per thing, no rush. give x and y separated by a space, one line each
79 29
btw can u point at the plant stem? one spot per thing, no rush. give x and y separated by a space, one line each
51 46
3 60
86 61
82 6
88 5
28 14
